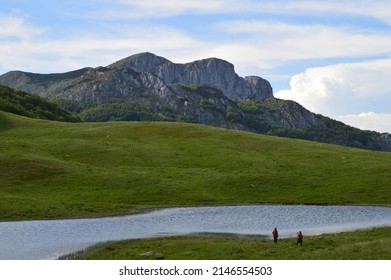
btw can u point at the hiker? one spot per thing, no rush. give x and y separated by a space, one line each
275 235
299 238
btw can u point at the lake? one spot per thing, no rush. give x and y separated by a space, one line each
49 239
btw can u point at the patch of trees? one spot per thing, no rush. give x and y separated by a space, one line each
33 106
334 132
123 110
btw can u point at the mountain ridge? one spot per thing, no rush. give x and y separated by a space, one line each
147 87
212 72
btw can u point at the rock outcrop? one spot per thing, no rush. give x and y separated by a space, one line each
143 70
211 72
384 142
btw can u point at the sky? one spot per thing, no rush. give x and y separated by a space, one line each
333 57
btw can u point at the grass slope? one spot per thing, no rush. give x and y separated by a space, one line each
63 170
372 244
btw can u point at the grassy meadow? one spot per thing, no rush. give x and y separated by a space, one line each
71 170
371 244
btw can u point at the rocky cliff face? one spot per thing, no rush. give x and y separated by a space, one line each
384 142
144 70
211 72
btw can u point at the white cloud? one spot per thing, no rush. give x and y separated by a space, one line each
13 27
330 90
157 9
369 121
344 89
135 9
179 5
286 41
37 54
376 9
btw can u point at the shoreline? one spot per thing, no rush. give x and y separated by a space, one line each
370 244
150 209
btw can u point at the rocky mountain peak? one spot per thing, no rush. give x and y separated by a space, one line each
142 62
213 72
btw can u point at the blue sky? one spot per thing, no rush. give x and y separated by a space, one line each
333 57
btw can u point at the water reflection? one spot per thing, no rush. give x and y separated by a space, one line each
51 239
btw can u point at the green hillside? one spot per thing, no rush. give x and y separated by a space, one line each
55 169
33 106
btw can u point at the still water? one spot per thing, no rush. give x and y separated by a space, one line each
51 239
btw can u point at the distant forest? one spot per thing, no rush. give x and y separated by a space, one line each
33 106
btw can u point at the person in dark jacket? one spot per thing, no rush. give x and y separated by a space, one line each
275 235
299 238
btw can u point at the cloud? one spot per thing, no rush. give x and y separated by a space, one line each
15 28
179 5
286 41
369 121
379 10
344 89
56 54
153 9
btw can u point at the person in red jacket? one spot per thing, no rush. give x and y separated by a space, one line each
299 238
275 235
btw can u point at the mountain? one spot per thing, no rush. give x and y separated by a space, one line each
143 71
147 87
212 72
